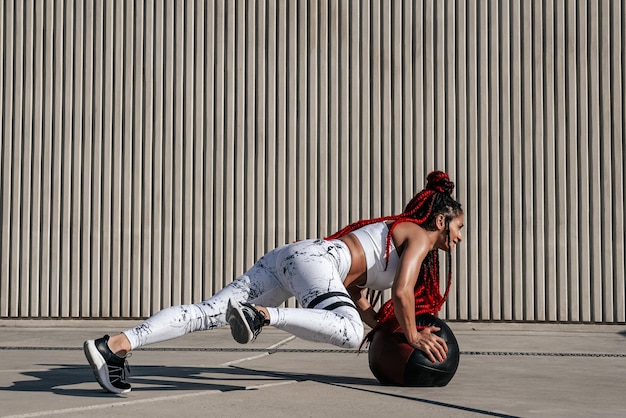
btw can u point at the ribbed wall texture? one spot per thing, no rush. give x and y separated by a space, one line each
152 150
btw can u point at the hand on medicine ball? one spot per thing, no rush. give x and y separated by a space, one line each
431 344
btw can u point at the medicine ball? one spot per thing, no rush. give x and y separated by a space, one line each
394 362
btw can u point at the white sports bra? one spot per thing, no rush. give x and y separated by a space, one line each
373 239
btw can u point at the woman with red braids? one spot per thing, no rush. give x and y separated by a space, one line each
329 278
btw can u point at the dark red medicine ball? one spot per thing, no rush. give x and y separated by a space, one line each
394 362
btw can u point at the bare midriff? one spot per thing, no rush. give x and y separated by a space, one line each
357 276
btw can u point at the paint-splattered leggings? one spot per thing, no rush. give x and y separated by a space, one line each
313 271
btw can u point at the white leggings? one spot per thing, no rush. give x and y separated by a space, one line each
313 271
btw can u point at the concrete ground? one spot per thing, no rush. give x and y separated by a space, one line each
521 370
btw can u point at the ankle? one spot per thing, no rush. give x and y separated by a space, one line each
264 313
119 345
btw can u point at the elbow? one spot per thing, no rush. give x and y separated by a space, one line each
402 293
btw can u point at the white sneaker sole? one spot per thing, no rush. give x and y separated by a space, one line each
239 327
99 367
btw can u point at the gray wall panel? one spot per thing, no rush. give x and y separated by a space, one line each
151 151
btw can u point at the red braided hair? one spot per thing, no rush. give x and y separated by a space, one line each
422 209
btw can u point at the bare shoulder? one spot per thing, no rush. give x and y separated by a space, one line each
413 244
409 234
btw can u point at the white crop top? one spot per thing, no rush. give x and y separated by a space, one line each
373 239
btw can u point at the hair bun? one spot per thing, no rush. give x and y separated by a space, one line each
440 182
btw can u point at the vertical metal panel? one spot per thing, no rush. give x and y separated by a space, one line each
504 307
515 249
13 168
4 170
151 151
47 97
618 65
149 176
22 154
105 14
471 204
197 153
138 159
155 204
560 300
548 116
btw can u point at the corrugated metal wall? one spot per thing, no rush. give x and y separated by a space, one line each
152 150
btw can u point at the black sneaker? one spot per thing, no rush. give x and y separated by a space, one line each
109 369
245 321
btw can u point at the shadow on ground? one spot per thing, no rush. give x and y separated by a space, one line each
59 378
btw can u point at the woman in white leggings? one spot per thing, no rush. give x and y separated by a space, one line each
328 278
